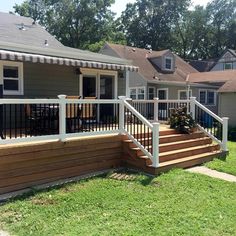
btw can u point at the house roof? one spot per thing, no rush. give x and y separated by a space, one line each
225 79
32 41
207 65
141 58
202 66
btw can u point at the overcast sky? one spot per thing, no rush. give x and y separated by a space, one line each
118 7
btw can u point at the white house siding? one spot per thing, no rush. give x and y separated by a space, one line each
227 107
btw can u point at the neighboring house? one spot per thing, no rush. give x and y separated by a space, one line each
34 64
161 74
226 83
227 61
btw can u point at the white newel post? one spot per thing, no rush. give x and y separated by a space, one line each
225 133
62 117
192 107
156 103
155 144
122 114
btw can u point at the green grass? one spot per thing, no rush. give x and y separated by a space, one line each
229 164
175 203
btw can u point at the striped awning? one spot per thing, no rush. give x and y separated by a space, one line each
36 58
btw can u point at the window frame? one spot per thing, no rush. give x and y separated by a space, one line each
20 78
151 87
171 59
230 63
206 96
136 92
185 90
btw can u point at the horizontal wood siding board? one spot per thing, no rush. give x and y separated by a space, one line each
41 178
80 150
46 164
18 175
27 165
34 147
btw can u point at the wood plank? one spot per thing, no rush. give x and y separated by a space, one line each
56 165
8 159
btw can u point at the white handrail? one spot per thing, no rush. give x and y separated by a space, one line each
136 113
209 112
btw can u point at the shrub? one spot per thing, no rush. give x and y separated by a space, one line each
181 120
232 133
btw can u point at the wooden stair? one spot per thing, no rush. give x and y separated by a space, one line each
175 150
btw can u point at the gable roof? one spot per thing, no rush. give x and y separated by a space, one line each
141 58
31 42
207 65
226 80
33 34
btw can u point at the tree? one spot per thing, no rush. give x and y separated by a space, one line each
149 22
75 23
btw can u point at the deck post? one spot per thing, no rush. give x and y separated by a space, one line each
156 100
225 133
155 144
122 114
62 117
192 107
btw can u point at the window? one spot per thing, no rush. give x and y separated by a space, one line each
182 94
12 74
137 93
207 97
151 93
228 66
168 63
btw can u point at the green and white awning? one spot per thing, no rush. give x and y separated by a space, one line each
37 58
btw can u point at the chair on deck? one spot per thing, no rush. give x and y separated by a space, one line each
36 118
88 114
73 121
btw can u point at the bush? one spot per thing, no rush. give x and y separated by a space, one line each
181 121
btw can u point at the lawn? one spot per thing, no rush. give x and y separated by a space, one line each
175 203
228 165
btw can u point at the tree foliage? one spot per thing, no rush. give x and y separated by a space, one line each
199 32
76 23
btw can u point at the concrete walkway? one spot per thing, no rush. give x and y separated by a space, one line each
212 173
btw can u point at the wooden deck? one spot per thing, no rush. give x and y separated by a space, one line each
26 165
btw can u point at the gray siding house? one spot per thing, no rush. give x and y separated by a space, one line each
226 92
33 64
227 61
161 74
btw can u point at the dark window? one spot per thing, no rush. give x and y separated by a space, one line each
168 63
9 84
10 72
210 98
203 97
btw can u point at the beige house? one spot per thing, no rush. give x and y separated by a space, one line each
226 83
161 74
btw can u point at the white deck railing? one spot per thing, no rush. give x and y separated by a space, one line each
62 118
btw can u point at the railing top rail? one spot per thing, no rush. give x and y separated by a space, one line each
143 101
173 101
209 112
93 101
57 101
28 101
136 113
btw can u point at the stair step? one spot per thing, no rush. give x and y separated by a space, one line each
190 161
191 151
161 133
165 147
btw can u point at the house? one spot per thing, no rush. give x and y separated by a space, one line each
161 74
226 83
227 61
33 64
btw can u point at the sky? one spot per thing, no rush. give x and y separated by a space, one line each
118 7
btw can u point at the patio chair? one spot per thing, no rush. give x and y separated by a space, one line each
73 122
36 119
88 115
